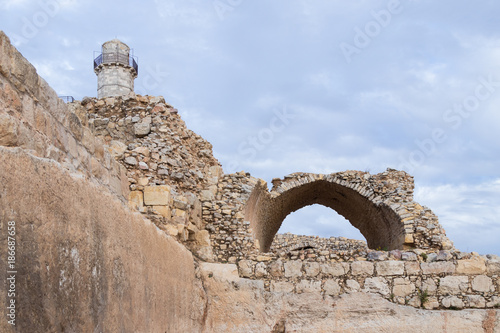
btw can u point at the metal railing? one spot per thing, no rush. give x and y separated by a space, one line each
116 57
67 99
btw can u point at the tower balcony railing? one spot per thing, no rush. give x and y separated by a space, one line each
116 58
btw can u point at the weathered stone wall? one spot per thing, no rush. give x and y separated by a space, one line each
169 167
243 305
114 80
34 118
85 263
82 262
436 280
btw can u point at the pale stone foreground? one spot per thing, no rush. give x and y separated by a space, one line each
86 262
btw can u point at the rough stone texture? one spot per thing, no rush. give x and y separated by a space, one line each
157 195
483 284
34 118
453 285
403 287
84 262
476 265
332 287
115 76
390 268
452 302
335 269
362 268
438 267
377 285
308 286
293 268
253 309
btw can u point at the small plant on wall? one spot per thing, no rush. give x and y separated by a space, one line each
423 295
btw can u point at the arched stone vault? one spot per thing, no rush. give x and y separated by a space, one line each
380 206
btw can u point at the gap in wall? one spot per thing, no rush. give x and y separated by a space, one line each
318 220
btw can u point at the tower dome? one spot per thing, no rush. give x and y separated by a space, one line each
116 70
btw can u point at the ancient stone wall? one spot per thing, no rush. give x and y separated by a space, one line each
33 118
436 280
86 263
78 259
168 166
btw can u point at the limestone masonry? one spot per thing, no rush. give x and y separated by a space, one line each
116 70
233 219
126 222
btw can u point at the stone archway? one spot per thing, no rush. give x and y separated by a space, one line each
380 206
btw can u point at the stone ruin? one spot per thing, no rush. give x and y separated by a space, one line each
139 152
234 219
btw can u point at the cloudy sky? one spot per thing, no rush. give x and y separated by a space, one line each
316 86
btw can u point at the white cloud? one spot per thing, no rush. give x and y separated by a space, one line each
469 212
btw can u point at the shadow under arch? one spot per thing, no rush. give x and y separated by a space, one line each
378 223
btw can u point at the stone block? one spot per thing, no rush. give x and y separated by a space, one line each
163 211
377 285
332 287
142 150
494 303
245 268
452 285
352 286
429 285
413 268
439 267
276 268
311 269
493 267
409 256
142 129
409 239
157 195
452 302
250 285
220 272
130 160
362 268
143 181
483 283
281 287
202 238
308 286
473 266
293 268
476 301
444 256
402 287
117 149
390 267
207 195
172 230
431 304
8 131
377 255
260 270
335 269
136 200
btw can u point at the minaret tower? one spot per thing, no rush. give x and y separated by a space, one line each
116 70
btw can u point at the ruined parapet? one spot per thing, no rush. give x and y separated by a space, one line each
116 70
